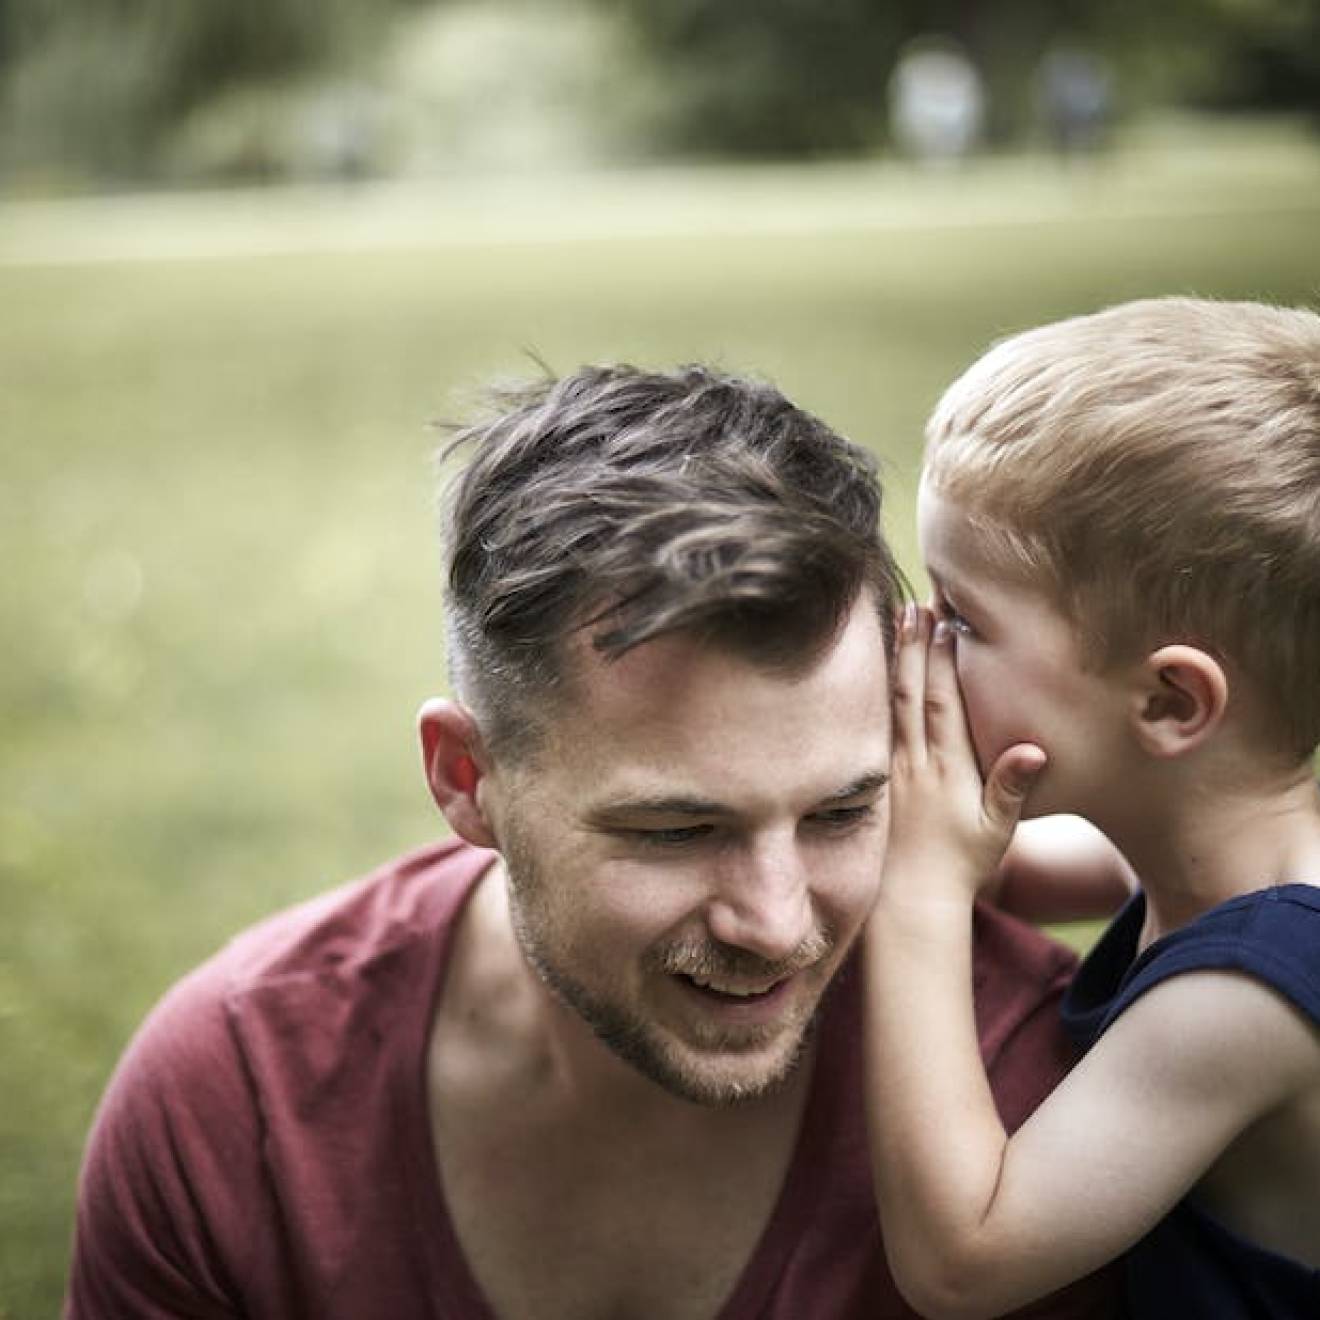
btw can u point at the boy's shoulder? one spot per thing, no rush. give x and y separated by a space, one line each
1271 935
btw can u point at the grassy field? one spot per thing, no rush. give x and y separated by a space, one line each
219 607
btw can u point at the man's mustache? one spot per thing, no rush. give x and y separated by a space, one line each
711 959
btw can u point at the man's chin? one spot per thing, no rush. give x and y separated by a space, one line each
714 1065
715 1078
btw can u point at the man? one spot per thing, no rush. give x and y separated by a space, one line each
597 1056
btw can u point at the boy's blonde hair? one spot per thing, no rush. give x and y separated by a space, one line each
1156 467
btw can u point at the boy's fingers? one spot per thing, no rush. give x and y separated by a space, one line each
910 680
946 720
1010 781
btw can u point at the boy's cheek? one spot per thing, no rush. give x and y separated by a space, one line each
999 717
971 686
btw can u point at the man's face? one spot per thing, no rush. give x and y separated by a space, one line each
696 846
1021 671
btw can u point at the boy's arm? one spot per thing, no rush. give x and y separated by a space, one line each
976 1223
1061 868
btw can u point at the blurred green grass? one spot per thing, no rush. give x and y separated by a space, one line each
219 602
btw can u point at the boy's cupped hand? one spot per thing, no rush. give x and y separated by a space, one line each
948 829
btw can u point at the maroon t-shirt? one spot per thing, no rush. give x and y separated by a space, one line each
264 1148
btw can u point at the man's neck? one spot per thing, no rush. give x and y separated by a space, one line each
574 1184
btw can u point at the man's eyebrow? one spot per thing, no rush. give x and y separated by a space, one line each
868 783
660 805
683 806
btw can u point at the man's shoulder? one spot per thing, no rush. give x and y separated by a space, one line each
1020 975
346 929
274 1072
283 976
1015 965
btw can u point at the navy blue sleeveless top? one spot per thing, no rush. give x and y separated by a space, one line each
1190 1264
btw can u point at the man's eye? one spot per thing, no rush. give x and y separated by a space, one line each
670 838
840 818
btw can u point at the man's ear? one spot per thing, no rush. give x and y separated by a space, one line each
455 763
1180 700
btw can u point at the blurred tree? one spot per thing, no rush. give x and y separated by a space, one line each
793 76
807 76
107 89
1271 56
91 86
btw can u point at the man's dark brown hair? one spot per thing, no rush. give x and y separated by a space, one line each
633 504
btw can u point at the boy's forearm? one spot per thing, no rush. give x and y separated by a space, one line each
1061 868
937 1140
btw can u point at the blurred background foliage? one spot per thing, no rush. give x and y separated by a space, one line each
220 600
100 92
800 77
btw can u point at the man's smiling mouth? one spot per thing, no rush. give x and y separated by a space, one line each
732 990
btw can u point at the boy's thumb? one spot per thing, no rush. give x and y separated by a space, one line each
1011 779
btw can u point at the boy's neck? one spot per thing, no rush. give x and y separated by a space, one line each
1211 846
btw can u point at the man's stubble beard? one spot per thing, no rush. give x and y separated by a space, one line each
626 1033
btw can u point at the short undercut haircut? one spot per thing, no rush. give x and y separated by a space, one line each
626 505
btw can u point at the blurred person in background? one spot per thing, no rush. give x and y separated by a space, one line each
1074 99
936 101
598 1054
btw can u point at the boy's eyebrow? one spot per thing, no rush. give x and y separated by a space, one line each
934 576
683 805
938 580
957 591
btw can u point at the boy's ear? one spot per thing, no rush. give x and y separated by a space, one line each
456 765
1180 700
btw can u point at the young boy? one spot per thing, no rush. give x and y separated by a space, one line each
1120 515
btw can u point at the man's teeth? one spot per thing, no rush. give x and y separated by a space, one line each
740 991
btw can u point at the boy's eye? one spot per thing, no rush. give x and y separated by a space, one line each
949 615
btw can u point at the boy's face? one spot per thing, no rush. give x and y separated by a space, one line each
1020 669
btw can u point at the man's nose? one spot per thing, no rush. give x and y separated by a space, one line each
762 901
